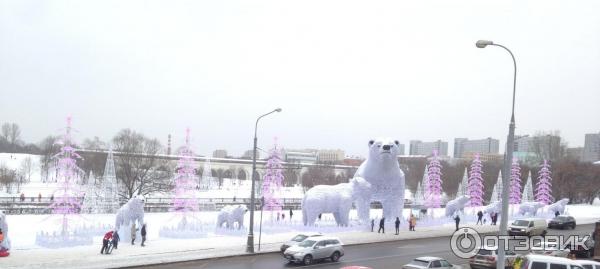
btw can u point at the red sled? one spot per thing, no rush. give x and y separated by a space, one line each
4 253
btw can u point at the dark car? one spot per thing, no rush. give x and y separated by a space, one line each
562 222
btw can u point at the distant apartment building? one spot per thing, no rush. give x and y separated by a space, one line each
401 149
591 148
462 146
536 148
220 153
300 156
353 160
485 157
330 156
418 147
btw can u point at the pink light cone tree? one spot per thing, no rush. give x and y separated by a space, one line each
475 189
67 196
272 181
433 191
543 189
185 200
515 183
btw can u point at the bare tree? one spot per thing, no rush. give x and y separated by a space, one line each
48 147
138 166
26 169
7 177
5 132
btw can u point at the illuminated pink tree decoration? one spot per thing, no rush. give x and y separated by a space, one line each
515 183
272 181
543 189
433 189
66 197
185 181
475 189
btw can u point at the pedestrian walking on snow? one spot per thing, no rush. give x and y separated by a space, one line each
381 225
116 239
133 230
397 225
107 237
143 232
413 222
479 217
457 221
291 214
372 225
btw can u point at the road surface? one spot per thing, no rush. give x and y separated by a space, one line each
379 255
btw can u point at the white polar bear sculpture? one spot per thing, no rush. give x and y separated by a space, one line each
495 207
131 212
457 205
558 206
382 170
530 208
4 225
230 215
336 199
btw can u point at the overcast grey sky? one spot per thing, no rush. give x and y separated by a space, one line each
343 71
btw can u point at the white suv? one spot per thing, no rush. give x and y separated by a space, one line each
532 261
315 248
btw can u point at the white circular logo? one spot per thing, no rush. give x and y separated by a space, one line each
465 242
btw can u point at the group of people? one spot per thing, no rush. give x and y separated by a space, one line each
113 236
412 223
481 220
281 216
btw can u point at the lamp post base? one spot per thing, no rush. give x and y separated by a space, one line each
250 244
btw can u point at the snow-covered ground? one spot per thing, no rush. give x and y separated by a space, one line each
218 242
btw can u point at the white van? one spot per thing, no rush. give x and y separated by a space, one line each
528 227
548 262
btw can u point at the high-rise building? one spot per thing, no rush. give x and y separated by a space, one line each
463 146
418 147
591 148
401 149
537 148
220 153
575 153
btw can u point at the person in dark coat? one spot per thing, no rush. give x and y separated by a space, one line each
556 214
143 232
381 225
291 214
479 218
457 221
116 239
372 225
108 236
397 225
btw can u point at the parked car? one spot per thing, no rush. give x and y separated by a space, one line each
534 261
528 227
550 249
297 239
589 264
587 251
428 262
562 222
314 249
486 258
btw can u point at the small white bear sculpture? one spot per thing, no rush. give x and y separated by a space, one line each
336 199
457 205
495 207
530 208
4 225
230 215
558 206
131 212
382 170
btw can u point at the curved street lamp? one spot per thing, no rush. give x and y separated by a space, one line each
507 157
250 243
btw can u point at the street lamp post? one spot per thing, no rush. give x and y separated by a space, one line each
250 243
508 156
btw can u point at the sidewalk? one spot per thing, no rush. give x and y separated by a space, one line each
179 250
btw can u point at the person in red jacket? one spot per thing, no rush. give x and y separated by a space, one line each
108 236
